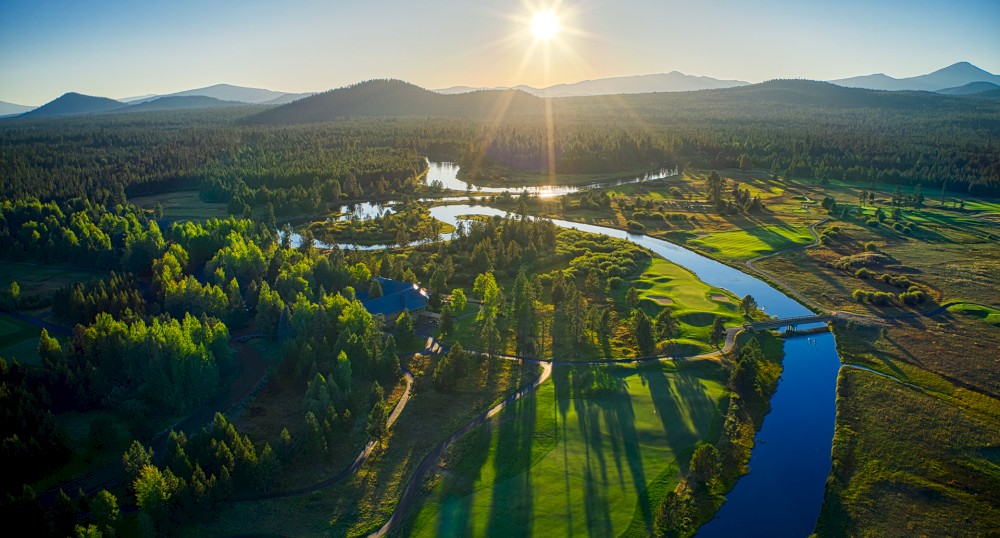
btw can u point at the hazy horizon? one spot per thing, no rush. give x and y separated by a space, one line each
120 50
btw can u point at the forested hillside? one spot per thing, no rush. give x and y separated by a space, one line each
798 129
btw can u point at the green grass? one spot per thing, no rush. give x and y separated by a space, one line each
561 465
753 242
183 205
908 464
692 302
42 279
985 313
19 341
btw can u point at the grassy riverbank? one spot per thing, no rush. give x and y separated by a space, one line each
915 453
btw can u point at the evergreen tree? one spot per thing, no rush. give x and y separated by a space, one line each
666 325
643 330
715 187
748 305
715 337
632 297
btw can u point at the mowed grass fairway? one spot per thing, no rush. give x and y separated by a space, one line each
753 242
560 463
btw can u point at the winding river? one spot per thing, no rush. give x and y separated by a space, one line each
783 492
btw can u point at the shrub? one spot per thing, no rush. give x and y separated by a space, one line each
872 222
871 247
880 298
864 273
860 295
634 226
615 282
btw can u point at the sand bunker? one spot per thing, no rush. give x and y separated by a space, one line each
662 300
720 297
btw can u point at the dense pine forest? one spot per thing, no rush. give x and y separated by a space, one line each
797 129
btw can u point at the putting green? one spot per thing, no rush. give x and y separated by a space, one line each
665 279
573 466
985 313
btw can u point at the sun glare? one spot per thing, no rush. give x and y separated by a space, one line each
544 25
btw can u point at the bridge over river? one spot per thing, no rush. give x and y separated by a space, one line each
790 323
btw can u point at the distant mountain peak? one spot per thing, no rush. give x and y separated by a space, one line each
73 103
394 97
674 81
230 92
952 76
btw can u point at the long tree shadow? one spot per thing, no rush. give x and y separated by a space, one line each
455 512
701 407
596 509
560 379
512 505
619 416
674 412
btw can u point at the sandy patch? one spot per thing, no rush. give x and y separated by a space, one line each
719 297
662 300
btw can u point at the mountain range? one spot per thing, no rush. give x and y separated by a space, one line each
673 81
12 109
385 98
218 96
948 78
228 92
398 98
379 98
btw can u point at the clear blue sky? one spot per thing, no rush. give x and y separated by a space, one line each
124 48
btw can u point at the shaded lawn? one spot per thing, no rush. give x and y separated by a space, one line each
19 341
183 205
985 313
559 465
43 279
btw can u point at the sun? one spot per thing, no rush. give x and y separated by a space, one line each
544 25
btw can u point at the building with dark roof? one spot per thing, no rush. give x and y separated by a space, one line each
396 298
